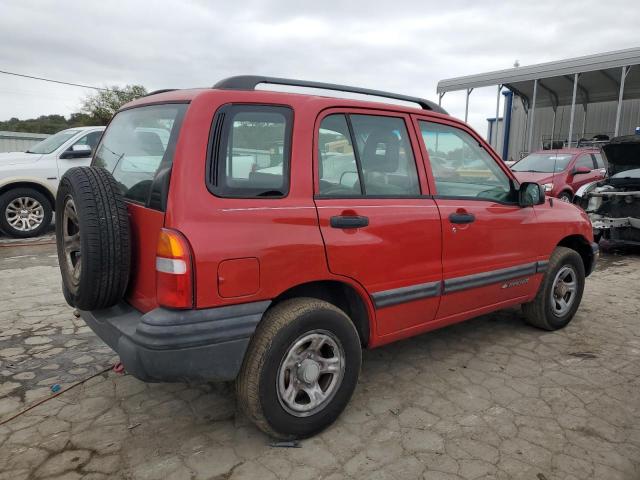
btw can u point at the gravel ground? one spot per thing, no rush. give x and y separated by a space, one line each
489 398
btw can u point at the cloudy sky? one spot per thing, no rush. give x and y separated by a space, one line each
404 46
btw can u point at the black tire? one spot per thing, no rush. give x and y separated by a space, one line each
540 312
565 197
100 251
10 196
257 383
67 296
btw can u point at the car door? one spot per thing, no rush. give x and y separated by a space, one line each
487 256
584 160
379 225
78 153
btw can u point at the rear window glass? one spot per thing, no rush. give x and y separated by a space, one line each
250 151
138 147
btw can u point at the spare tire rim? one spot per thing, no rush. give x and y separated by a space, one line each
25 214
310 373
71 243
563 291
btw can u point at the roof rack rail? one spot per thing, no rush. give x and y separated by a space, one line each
155 92
249 82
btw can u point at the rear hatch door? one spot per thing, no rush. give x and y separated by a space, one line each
138 149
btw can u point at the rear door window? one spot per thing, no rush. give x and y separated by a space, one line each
599 160
366 155
138 147
250 151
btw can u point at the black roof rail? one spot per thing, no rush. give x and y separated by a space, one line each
164 90
249 82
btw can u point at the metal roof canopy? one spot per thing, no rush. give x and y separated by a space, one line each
590 79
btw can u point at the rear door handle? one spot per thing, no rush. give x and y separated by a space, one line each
351 221
462 218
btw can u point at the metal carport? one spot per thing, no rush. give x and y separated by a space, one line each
611 76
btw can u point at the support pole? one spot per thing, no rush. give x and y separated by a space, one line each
584 121
466 107
532 113
497 116
553 125
623 77
440 95
573 108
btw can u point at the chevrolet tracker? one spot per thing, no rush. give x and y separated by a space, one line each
265 237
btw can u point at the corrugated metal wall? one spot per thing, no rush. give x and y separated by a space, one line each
19 141
601 118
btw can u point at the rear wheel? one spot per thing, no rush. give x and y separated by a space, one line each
301 368
92 236
25 212
560 293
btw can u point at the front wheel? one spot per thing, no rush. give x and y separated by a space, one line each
25 212
560 293
565 197
301 368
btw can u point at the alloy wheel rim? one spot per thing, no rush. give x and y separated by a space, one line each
24 214
71 242
563 290
310 373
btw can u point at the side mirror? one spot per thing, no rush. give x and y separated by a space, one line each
77 151
581 170
530 194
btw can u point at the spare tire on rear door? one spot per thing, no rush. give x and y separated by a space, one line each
93 238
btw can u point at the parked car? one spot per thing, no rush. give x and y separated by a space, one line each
29 180
613 204
561 172
193 267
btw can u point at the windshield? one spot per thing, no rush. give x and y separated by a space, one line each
138 146
543 163
51 143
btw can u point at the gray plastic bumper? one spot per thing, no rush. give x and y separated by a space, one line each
178 345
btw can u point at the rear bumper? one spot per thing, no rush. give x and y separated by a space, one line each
178 345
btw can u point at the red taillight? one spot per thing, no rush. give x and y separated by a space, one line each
174 270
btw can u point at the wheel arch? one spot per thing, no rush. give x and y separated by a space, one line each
341 294
39 187
583 247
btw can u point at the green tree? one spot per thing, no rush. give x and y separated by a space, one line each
103 104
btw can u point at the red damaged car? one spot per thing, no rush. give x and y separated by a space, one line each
232 233
561 172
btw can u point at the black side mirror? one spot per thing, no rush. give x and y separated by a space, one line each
77 151
530 194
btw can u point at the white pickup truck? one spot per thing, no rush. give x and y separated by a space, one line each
29 180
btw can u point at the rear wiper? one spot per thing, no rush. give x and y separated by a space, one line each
271 193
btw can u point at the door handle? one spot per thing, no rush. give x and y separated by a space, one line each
351 221
462 218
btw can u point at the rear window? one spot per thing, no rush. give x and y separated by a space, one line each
249 151
138 149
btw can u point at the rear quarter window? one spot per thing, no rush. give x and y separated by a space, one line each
249 151
138 148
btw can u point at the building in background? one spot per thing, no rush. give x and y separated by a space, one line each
559 103
19 141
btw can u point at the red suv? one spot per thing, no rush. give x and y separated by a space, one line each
561 172
267 237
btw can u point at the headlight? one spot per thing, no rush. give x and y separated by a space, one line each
547 187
